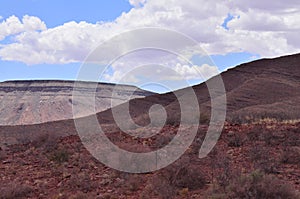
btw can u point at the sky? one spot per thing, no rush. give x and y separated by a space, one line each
52 39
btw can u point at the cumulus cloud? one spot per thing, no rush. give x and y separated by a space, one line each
193 72
172 78
150 65
13 26
137 3
258 27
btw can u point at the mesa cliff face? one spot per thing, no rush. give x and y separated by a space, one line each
39 101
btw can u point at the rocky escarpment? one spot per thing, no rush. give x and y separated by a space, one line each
31 102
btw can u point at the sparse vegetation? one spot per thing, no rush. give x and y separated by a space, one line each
235 140
80 181
15 190
291 155
264 117
45 141
59 156
259 186
2 155
263 160
70 171
158 187
179 178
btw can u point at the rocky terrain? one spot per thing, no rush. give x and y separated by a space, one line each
39 101
257 155
249 161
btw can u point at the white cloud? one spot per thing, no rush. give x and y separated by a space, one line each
194 72
142 66
276 6
137 3
264 28
13 26
172 78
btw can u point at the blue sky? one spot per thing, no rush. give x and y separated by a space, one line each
58 12
55 13
49 39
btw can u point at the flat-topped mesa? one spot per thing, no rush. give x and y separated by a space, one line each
63 85
37 101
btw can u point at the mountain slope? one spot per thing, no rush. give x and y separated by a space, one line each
262 88
267 87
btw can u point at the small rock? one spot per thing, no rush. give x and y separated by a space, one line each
66 175
103 182
230 151
105 176
6 162
59 184
230 134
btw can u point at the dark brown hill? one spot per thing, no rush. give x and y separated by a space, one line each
259 89
262 88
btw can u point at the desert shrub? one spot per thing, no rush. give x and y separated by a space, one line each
81 182
162 140
263 160
40 140
292 138
158 187
268 165
225 171
129 182
273 116
59 156
241 118
273 138
189 177
175 178
261 117
255 133
182 174
133 183
285 137
204 118
15 190
268 138
236 140
259 186
79 195
16 148
196 145
3 155
46 142
291 155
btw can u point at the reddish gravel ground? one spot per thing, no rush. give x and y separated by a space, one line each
63 168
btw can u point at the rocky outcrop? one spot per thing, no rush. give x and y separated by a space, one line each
39 101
